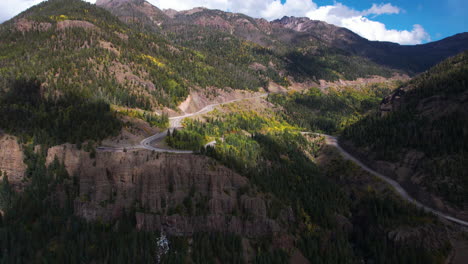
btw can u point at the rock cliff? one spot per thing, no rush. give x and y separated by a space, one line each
181 194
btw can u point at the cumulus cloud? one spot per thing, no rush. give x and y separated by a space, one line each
341 15
382 9
360 21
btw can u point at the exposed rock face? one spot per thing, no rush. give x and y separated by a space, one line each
25 25
11 159
62 25
180 193
135 11
322 30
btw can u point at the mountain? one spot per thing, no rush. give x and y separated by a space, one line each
136 12
420 133
411 59
301 32
90 172
208 30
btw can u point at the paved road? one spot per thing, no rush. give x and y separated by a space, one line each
147 143
333 141
174 122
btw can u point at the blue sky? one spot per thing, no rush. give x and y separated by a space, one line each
439 18
406 22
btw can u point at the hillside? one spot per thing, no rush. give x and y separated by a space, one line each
410 59
130 134
75 47
299 40
248 43
421 134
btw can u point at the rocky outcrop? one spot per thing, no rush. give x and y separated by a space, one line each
62 25
181 194
392 102
25 25
11 159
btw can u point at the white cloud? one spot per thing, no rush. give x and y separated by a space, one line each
338 14
343 16
382 9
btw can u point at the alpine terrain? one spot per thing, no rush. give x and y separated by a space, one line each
132 134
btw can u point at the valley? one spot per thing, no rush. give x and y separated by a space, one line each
134 134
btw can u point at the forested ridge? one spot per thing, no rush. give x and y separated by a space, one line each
32 116
332 109
277 159
431 118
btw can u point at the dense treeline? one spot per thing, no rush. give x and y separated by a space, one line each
25 112
440 133
332 110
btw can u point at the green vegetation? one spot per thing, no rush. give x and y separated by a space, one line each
154 120
197 133
112 61
331 110
39 226
277 160
25 112
127 66
440 133
278 56
58 84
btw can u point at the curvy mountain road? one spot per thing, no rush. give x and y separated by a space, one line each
333 141
176 122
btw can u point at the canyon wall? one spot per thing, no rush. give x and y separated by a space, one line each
181 194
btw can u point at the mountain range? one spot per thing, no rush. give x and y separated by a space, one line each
131 134
290 32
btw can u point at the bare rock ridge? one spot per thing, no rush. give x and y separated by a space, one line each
181 194
135 11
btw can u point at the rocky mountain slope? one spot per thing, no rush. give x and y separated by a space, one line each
309 35
420 135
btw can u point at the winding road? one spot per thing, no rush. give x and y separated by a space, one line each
176 122
333 141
